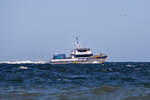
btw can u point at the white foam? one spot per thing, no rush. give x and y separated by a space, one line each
24 62
22 67
129 65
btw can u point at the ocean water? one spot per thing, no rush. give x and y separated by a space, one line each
109 81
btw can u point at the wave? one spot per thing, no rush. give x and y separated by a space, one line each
23 67
23 62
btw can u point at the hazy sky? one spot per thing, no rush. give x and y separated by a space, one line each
37 29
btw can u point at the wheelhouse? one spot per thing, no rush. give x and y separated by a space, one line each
82 52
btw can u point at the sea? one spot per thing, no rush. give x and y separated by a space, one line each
43 81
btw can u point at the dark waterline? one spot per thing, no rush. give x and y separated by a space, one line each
117 80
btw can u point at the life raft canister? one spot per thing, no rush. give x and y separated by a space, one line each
97 56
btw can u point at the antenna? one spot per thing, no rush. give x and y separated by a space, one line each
77 43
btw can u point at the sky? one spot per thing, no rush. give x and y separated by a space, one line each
38 29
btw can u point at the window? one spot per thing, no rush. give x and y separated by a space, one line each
89 55
82 50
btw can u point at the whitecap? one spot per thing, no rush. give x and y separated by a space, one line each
24 62
23 67
110 69
129 65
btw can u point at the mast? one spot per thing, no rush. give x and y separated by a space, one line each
77 43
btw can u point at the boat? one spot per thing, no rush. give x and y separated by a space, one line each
79 55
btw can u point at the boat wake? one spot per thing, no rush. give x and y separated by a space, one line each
23 62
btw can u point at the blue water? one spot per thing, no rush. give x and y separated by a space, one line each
109 81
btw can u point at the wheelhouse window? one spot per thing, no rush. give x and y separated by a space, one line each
82 50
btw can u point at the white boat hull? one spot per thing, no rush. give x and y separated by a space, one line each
78 61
